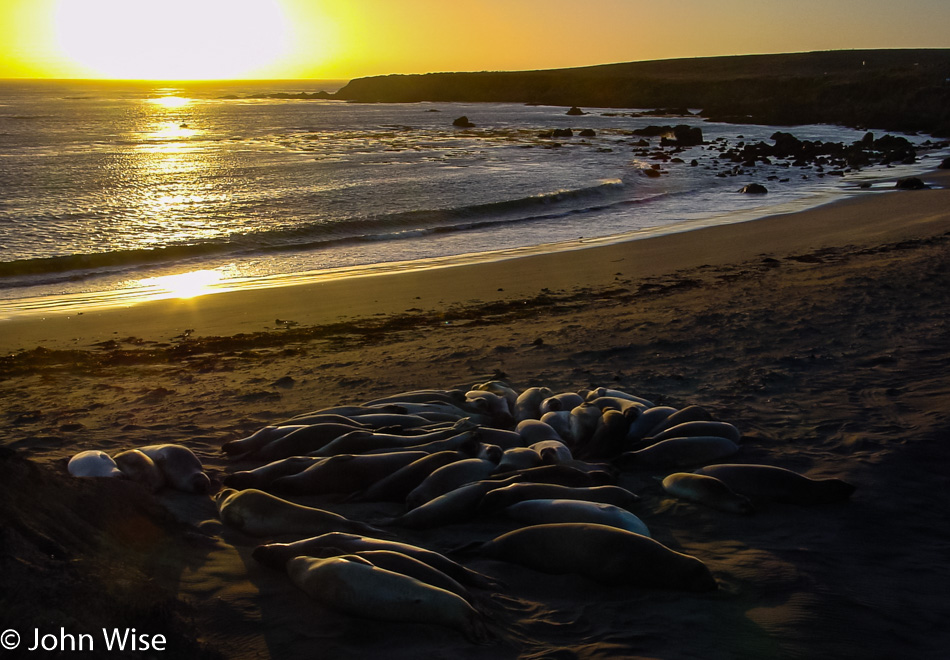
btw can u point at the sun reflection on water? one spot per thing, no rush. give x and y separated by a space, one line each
184 285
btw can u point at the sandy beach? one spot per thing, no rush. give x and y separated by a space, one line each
822 335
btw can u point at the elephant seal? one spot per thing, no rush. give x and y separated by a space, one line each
605 392
265 475
533 430
528 404
501 437
276 555
456 506
257 513
609 439
552 452
397 562
360 442
648 420
706 490
576 474
779 484
180 466
258 439
560 421
93 463
346 473
500 498
584 421
537 512
606 555
501 388
448 478
301 441
687 414
679 452
400 483
361 589
518 458
689 429
141 469
564 401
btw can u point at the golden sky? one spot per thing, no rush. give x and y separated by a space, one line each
342 39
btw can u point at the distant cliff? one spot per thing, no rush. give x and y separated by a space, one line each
893 89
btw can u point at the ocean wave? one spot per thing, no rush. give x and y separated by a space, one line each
381 227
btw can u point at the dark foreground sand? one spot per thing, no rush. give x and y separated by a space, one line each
824 336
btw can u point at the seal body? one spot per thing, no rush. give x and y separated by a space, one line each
138 467
257 513
449 477
400 483
706 490
93 463
600 553
346 473
680 452
182 469
276 555
538 512
265 475
364 590
779 484
519 492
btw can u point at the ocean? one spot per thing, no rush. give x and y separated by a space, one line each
112 193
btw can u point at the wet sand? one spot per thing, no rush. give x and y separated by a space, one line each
823 336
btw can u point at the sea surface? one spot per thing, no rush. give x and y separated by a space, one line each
113 193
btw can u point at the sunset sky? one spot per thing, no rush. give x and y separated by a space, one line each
342 39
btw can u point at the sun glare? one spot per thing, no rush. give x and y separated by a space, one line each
186 285
172 39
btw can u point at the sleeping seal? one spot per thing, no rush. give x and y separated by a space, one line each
779 484
537 512
93 463
141 469
276 555
397 562
447 478
344 473
703 489
600 553
356 587
182 469
679 452
257 513
519 492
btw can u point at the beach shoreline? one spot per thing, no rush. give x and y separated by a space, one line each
862 219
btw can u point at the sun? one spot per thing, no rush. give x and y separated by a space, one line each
172 39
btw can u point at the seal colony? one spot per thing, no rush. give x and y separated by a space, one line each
547 462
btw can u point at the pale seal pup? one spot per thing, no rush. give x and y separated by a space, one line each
606 555
537 512
93 463
779 484
679 452
141 469
276 555
257 513
500 498
361 589
706 490
182 469
345 473
447 478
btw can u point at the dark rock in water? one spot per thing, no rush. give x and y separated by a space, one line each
588 132
678 136
650 172
911 183
463 122
754 189
945 164
694 163
563 133
575 111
